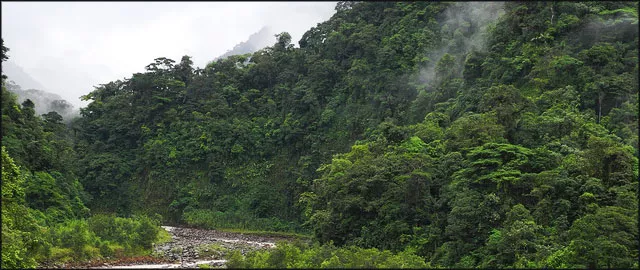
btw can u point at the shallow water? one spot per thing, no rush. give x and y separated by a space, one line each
160 266
182 249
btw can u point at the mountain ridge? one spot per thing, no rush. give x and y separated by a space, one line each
256 41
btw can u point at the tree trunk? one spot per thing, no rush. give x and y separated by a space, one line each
600 97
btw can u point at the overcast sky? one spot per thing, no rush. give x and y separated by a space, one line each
71 46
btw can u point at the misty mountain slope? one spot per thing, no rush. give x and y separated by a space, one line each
256 41
26 87
20 77
44 102
493 135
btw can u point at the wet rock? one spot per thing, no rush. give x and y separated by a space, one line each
183 248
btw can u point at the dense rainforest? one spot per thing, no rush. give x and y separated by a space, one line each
44 216
449 134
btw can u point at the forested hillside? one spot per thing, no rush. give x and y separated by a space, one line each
44 217
44 102
468 134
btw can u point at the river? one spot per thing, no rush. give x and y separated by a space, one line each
191 247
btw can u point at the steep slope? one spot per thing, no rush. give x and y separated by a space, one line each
44 102
473 134
26 87
515 163
256 41
19 76
39 188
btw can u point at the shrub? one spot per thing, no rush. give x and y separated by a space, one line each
235 260
98 237
215 249
147 231
111 250
61 254
75 235
133 234
287 255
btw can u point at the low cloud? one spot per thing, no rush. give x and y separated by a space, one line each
464 30
72 46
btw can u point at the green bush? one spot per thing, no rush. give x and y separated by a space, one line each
236 260
136 233
147 231
297 255
110 250
114 229
98 237
215 249
61 254
75 235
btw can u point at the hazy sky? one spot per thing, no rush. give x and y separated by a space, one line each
71 46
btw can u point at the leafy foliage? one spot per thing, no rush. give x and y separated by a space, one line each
299 255
43 203
19 230
468 134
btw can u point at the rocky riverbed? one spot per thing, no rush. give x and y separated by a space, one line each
191 247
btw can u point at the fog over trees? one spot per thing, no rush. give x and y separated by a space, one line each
391 135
